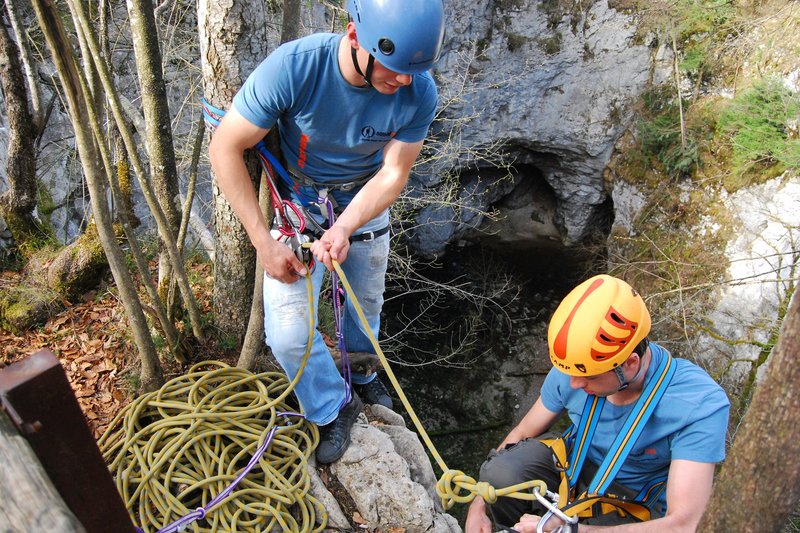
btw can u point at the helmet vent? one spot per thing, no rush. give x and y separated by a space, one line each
617 319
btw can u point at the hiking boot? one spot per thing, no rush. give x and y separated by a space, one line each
334 437
374 392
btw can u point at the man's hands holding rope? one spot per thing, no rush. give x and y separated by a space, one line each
333 245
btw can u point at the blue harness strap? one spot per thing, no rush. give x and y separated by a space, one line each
583 436
653 391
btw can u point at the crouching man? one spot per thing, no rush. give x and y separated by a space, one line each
647 428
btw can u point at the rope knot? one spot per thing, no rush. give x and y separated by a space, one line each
202 512
486 491
450 486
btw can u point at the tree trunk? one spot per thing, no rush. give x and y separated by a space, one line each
232 42
82 22
759 484
253 343
75 94
37 111
158 137
18 202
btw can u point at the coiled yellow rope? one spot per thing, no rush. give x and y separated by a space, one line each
173 450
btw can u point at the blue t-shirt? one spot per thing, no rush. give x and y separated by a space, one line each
690 422
329 129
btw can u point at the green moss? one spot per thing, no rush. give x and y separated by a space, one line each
551 45
515 41
44 200
30 234
755 124
26 306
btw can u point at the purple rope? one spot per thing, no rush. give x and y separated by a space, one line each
337 293
200 512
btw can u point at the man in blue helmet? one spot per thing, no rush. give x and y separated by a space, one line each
353 111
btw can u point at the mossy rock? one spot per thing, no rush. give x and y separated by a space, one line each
25 307
79 267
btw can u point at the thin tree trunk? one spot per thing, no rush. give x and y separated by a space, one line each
253 344
759 485
232 43
677 75
18 202
75 94
28 64
158 137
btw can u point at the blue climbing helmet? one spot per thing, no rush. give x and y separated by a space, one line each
403 35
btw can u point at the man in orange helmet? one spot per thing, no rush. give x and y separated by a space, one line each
647 429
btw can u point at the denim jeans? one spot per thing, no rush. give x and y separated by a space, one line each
321 389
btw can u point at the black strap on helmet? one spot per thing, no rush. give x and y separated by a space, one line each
367 77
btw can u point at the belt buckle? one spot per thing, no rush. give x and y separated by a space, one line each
346 187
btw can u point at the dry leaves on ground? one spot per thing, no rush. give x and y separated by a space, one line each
89 339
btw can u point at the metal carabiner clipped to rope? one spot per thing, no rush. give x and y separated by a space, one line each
570 524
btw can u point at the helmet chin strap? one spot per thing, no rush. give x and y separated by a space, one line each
623 383
370 63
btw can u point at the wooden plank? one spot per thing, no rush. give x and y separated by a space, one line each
28 499
40 401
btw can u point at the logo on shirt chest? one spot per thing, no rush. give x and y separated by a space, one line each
370 134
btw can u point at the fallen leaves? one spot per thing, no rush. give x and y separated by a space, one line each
89 339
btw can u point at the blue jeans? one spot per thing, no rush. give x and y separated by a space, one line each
321 389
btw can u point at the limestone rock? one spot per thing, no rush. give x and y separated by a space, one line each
388 477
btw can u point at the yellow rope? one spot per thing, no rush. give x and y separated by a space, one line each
454 486
173 450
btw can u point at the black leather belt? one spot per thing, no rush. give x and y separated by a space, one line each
369 235
317 231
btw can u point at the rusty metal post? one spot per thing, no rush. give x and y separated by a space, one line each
37 396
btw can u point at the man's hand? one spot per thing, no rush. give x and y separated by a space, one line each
477 520
333 245
528 523
280 263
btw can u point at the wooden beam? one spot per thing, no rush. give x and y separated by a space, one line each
28 499
37 397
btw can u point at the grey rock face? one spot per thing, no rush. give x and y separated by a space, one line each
554 89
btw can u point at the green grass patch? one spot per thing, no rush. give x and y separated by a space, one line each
757 125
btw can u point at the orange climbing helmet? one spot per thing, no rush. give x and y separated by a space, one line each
597 327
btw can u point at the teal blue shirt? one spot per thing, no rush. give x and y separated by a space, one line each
690 422
329 129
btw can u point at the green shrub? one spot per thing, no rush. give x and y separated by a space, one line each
756 124
659 129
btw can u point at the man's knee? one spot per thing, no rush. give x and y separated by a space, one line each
519 462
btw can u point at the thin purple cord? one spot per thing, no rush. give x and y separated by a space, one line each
336 294
200 512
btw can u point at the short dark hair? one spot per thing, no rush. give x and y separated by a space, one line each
641 347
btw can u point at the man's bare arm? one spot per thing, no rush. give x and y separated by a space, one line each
233 136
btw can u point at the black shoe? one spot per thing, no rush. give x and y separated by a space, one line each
334 437
374 393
